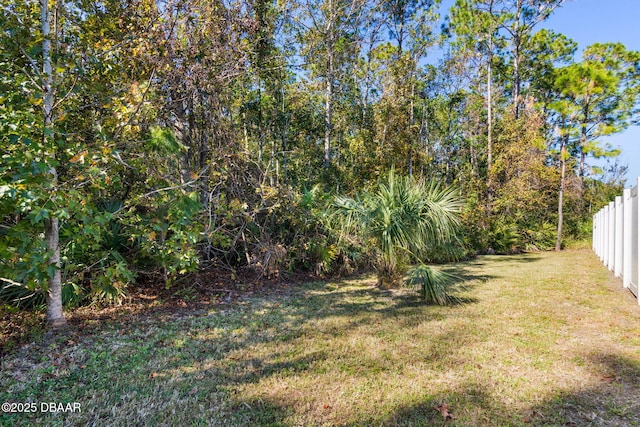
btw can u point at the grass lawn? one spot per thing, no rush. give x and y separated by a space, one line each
542 339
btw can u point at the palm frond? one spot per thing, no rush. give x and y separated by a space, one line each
434 286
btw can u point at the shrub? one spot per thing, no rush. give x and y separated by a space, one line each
403 220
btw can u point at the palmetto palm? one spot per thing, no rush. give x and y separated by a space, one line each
403 218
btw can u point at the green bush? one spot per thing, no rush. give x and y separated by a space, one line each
504 238
402 220
21 296
542 237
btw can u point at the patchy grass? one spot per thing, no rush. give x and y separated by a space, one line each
542 339
18 327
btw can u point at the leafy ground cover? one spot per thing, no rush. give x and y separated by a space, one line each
540 339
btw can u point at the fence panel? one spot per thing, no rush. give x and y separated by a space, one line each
619 236
601 236
611 257
627 250
633 238
605 236
616 235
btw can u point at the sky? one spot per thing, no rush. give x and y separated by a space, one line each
591 21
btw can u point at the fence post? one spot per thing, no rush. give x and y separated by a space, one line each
612 235
637 241
628 239
593 233
596 230
594 227
619 238
605 236
601 237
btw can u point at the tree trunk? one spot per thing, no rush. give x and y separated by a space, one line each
328 111
283 137
55 316
583 140
563 162
329 89
412 121
516 80
516 60
245 132
489 114
583 156
260 132
189 140
489 130
489 207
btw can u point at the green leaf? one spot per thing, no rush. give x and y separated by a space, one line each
41 214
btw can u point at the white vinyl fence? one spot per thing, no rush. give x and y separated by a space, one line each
616 233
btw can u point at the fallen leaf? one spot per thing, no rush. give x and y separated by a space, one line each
154 374
608 379
194 390
530 418
79 158
444 411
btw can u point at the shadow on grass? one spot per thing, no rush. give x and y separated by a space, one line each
612 402
260 412
607 404
465 273
524 257
254 369
428 413
268 338
208 358
420 412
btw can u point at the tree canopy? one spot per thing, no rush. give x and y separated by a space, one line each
143 141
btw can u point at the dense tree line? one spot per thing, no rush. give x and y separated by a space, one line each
146 139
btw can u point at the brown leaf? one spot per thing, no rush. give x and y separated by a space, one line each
79 158
444 411
194 390
529 418
154 374
608 379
